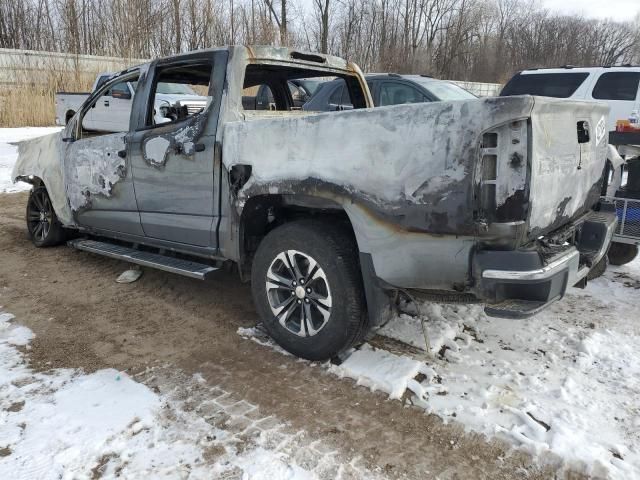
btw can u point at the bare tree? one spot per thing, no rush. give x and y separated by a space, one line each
485 40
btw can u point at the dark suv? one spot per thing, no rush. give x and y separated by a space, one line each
387 89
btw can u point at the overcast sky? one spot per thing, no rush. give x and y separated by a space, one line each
621 10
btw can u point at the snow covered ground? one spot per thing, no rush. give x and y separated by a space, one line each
66 424
564 385
9 153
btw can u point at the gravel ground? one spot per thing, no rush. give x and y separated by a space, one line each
83 319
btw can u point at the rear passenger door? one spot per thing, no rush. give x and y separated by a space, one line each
173 156
620 90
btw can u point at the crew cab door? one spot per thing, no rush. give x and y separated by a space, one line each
98 177
172 151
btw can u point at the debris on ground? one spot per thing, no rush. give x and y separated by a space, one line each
129 276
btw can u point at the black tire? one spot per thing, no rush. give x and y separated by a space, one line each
622 253
44 228
338 270
598 269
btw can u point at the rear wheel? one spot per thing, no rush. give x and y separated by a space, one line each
307 288
44 227
622 253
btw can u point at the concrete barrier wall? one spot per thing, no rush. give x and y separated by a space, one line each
480 89
20 67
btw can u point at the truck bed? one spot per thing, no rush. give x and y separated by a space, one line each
420 166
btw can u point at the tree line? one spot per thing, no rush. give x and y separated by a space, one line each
478 40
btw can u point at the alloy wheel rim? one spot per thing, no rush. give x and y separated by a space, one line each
40 215
298 293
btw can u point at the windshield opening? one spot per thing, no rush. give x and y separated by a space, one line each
446 91
174 89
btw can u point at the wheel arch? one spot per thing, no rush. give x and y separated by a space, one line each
262 213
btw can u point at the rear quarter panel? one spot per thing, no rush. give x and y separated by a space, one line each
404 174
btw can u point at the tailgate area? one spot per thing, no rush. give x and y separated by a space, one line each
568 148
520 283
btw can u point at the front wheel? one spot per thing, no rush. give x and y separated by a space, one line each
622 253
307 288
42 223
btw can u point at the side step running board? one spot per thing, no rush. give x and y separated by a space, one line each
146 259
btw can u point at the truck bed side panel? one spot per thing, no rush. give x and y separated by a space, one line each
409 165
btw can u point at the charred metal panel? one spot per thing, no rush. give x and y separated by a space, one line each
99 184
503 173
566 175
43 157
92 167
414 165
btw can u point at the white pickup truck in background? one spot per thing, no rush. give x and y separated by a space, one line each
112 112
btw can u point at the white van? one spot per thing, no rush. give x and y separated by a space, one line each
619 87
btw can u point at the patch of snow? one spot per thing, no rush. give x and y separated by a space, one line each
9 153
262 464
565 382
381 370
65 424
261 337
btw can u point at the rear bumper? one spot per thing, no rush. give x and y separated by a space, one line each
518 284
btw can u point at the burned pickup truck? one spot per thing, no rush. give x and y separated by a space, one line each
330 214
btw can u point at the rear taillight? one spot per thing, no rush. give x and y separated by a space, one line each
503 173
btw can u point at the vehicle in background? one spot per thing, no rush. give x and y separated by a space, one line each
112 112
330 215
388 89
68 103
624 191
618 87
301 91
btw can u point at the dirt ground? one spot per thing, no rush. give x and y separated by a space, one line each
83 319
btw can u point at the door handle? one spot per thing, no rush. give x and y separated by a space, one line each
122 153
178 148
106 103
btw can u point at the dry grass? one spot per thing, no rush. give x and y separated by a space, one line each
31 82
32 103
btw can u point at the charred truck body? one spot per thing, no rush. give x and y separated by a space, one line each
328 214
